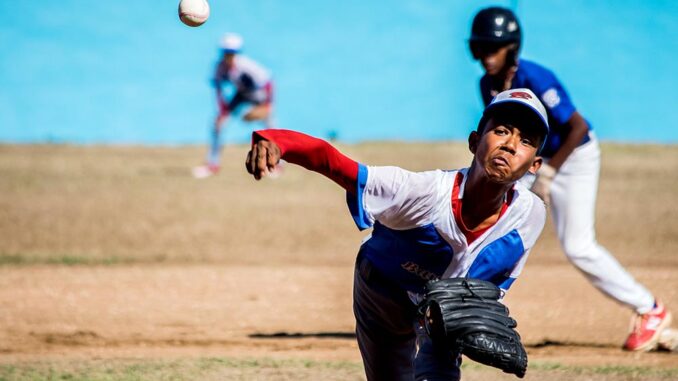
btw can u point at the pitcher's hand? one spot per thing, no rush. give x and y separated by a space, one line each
262 158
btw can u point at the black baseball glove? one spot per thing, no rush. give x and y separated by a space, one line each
466 316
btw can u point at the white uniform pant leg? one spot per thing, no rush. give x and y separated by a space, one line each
573 202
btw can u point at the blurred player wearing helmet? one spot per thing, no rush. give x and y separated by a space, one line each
477 222
251 96
568 180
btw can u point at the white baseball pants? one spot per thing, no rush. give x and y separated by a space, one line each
573 202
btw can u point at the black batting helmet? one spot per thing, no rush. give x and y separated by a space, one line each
494 26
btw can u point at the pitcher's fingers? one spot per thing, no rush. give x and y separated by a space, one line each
272 157
253 161
248 162
260 165
250 159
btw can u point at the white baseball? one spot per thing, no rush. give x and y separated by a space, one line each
194 12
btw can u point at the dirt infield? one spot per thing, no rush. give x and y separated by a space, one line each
116 255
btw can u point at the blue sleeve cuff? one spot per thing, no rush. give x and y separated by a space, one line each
355 201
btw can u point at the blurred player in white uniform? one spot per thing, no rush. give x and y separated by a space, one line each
476 222
241 85
568 180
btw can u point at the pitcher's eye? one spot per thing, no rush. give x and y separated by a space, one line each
500 130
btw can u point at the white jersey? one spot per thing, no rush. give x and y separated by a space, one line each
416 235
246 75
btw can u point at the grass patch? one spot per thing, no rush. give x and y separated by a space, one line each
225 368
185 369
616 372
622 370
67 260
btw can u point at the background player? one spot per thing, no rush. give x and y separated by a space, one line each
477 222
568 180
251 94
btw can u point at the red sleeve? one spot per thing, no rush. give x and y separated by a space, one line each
313 154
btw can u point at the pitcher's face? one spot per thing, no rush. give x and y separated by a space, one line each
505 152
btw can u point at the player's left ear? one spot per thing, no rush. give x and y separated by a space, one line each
473 139
536 164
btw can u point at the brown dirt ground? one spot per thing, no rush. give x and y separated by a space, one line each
167 266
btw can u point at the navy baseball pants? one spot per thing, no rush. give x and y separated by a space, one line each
392 341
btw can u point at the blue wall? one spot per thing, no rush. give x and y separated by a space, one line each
128 71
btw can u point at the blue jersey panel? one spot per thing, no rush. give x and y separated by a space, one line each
541 80
496 261
355 201
409 257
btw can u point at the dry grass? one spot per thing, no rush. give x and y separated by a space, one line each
283 370
67 204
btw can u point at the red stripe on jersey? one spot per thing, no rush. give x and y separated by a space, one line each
313 154
456 210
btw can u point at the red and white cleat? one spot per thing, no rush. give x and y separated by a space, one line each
204 171
646 329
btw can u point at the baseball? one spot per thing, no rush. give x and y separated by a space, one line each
194 12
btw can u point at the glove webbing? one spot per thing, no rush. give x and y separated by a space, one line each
466 315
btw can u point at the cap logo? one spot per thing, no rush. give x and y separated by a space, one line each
520 94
